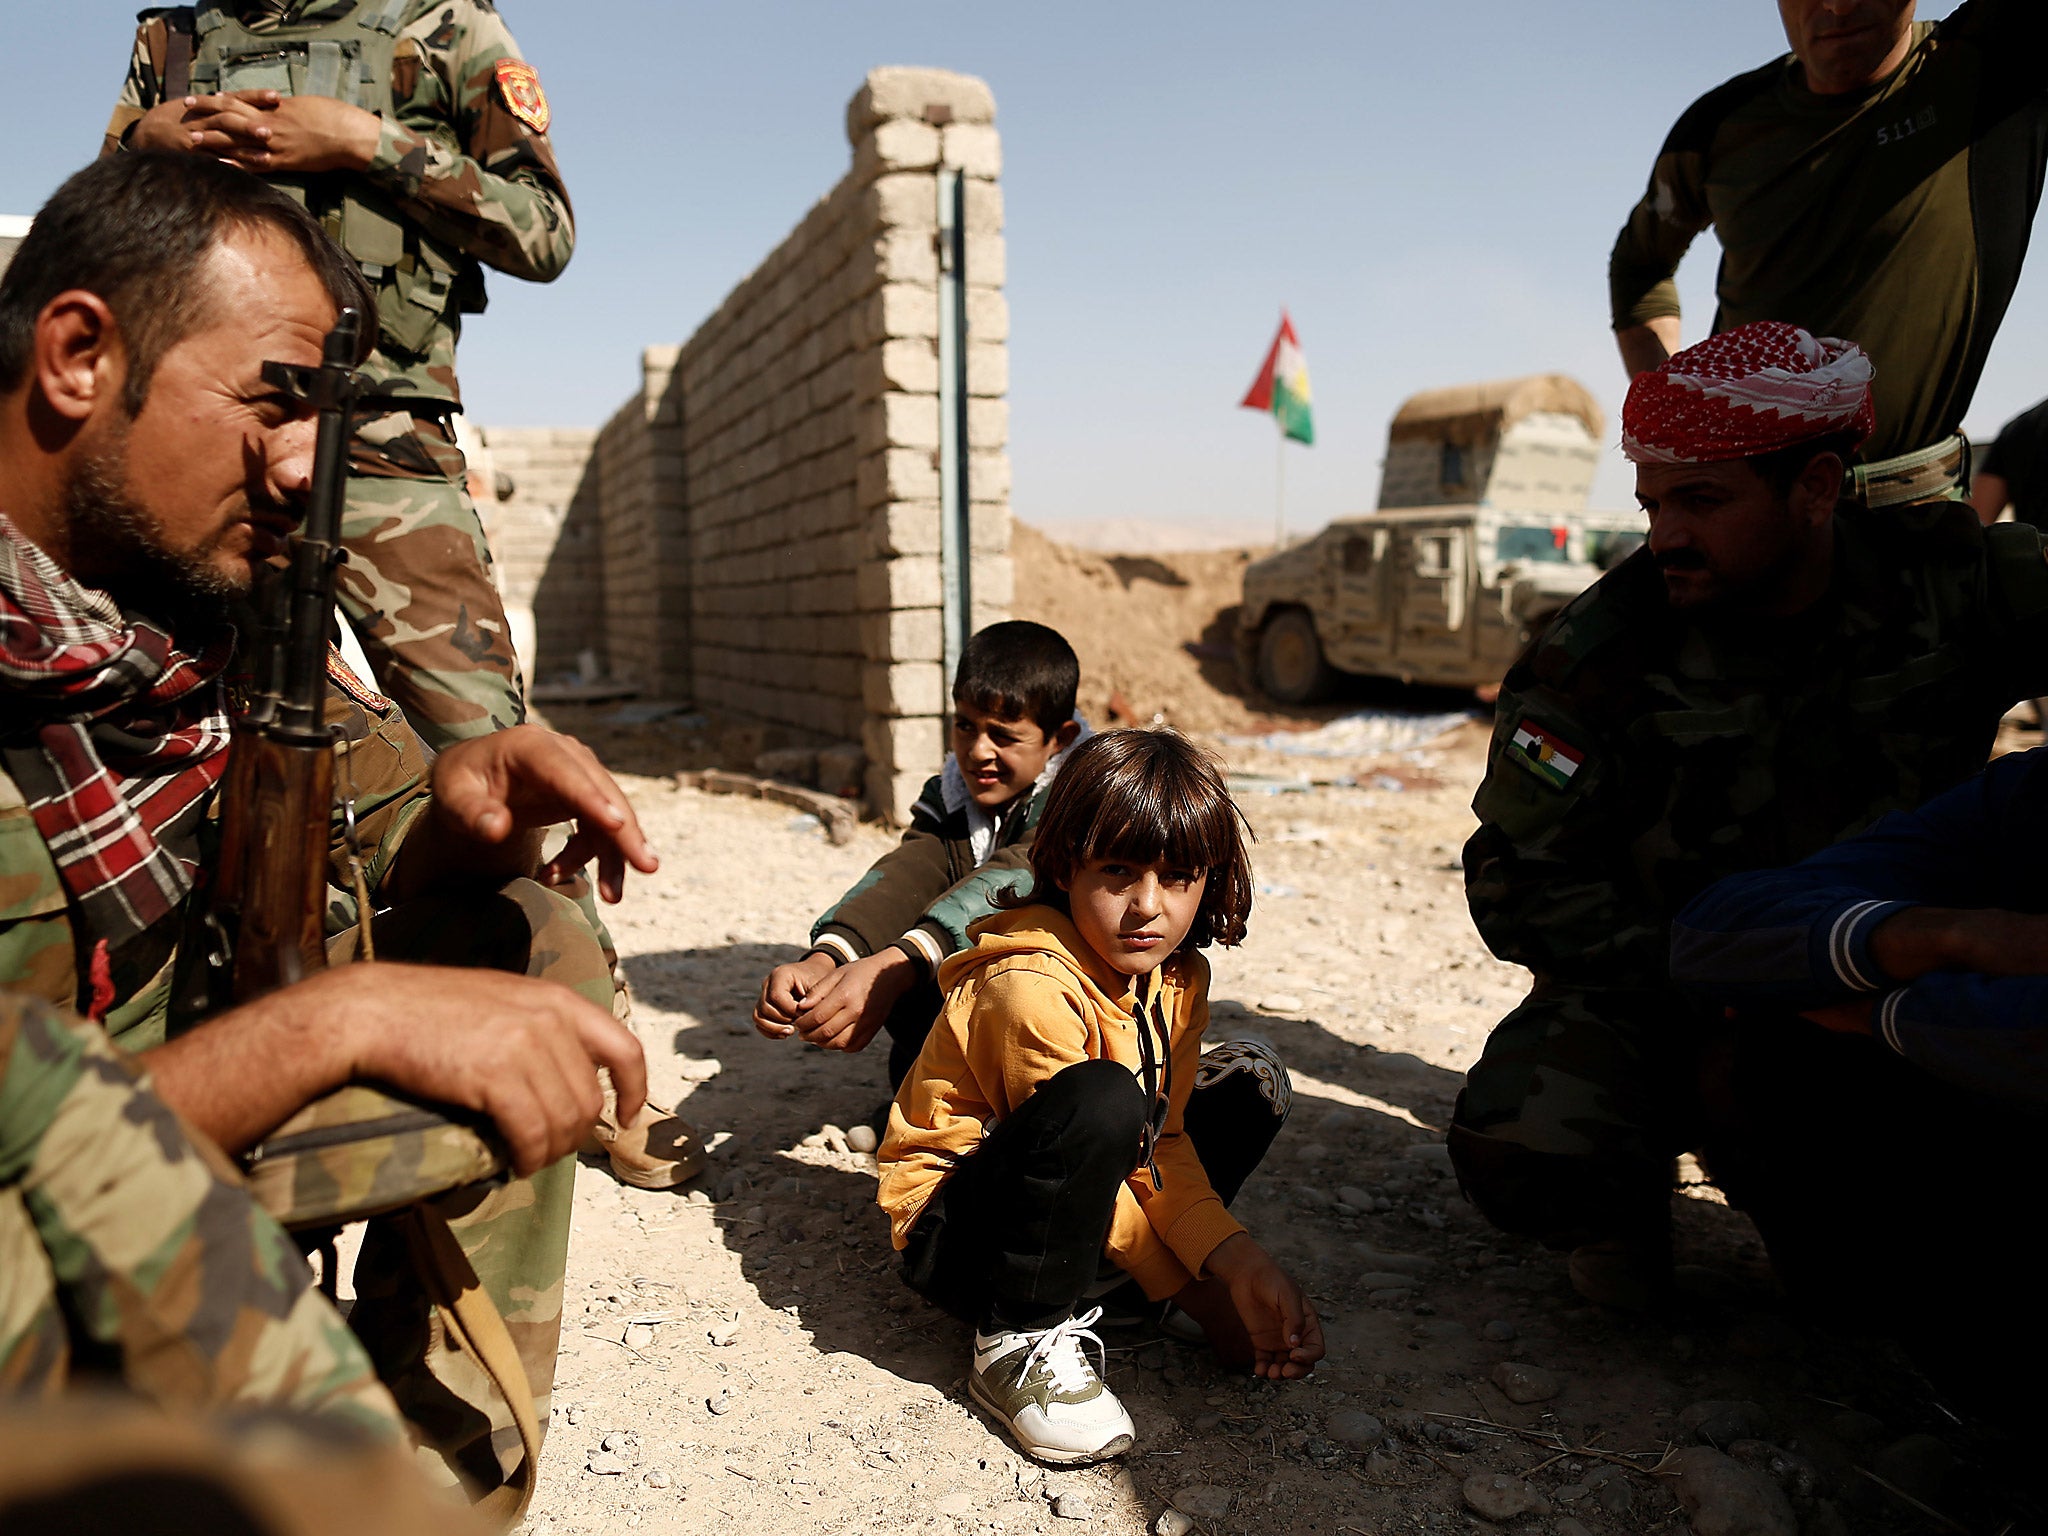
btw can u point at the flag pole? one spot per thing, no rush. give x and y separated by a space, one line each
1280 490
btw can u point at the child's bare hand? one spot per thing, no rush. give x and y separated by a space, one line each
1286 1335
848 1008
783 993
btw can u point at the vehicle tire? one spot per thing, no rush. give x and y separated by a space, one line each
1291 667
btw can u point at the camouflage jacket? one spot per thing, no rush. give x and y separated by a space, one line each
128 1243
38 954
467 157
1638 755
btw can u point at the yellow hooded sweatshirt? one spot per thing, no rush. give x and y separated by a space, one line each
1029 999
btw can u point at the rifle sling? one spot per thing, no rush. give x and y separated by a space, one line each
472 1320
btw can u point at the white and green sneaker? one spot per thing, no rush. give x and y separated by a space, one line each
1055 1404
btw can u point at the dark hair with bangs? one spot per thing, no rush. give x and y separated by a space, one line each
1145 796
137 229
1018 670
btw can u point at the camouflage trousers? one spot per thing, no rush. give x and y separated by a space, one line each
516 1235
129 1249
417 587
1571 1119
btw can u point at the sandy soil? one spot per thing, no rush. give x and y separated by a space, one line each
742 1357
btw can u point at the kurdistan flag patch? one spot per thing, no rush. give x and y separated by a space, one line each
1544 754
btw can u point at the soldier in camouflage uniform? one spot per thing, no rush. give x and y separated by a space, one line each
418 135
125 1239
166 466
1761 680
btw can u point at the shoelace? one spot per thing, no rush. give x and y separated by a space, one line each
1061 1349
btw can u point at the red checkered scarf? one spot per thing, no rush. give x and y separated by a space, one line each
1752 390
114 737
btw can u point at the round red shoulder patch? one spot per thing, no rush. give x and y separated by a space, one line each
519 85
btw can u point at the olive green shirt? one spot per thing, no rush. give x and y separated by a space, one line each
1896 217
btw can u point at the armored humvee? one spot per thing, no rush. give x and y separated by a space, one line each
1482 535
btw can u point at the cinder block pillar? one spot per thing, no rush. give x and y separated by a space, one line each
905 125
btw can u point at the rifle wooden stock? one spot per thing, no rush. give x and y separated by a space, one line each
273 870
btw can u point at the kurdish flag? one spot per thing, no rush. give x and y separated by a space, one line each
1282 386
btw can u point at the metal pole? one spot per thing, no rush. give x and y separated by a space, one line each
1280 490
955 530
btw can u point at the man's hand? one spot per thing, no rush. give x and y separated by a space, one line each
1286 1335
310 133
1855 1018
495 794
264 131
783 993
1988 941
846 1009
523 1051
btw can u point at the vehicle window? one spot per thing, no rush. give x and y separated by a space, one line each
1452 473
1521 543
1433 556
1357 556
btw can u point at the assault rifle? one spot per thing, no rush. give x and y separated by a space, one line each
270 885
361 1151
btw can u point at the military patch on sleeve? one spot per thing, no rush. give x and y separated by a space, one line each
519 84
1545 754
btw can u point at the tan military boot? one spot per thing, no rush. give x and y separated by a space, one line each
659 1150
1630 1274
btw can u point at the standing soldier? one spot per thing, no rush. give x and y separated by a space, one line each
2013 471
416 133
1879 183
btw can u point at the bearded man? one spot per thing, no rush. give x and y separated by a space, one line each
1879 181
146 468
1765 677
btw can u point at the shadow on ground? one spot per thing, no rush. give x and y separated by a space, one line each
1424 1306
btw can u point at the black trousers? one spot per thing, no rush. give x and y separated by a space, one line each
1887 1198
908 1023
1014 1237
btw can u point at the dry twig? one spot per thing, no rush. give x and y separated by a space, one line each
1551 1442
1899 1493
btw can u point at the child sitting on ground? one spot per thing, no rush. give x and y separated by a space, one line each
875 954
1063 1114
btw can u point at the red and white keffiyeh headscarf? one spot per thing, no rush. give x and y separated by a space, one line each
1749 391
114 737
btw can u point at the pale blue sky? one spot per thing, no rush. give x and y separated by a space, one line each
1431 188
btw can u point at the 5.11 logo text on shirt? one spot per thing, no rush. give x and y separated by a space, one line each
1906 128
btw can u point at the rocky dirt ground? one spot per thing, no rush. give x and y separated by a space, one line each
742 1357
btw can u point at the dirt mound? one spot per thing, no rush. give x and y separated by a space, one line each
1155 628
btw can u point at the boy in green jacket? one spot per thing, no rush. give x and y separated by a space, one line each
875 954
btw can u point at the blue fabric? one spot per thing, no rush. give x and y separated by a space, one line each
1799 938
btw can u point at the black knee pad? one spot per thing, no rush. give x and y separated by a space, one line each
1255 1065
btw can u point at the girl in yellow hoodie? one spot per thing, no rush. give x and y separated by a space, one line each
1063 1119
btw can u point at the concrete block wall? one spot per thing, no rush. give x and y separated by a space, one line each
810 431
544 541
765 510
645 536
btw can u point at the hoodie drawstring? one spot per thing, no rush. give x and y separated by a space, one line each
1157 1069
